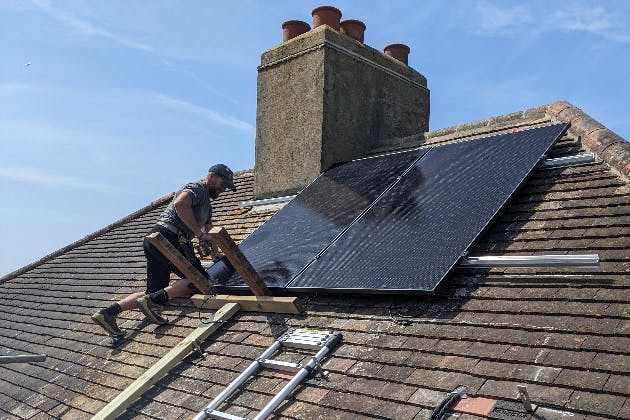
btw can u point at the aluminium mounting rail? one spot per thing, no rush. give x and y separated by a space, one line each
321 341
489 261
23 358
568 161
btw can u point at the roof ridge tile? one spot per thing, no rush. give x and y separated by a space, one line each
608 145
515 120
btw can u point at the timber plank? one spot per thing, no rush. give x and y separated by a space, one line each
276 304
239 261
174 256
172 358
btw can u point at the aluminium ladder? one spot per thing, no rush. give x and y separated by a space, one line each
321 341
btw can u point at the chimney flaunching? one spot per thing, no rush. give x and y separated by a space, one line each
325 98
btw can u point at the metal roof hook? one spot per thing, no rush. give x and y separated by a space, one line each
319 370
524 397
450 399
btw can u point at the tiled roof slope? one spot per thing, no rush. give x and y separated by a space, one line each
564 333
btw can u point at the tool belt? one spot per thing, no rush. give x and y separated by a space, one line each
182 238
202 248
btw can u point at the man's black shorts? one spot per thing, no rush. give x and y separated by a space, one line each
159 268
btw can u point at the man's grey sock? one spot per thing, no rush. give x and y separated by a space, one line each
113 309
160 297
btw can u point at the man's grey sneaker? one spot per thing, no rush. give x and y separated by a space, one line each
108 322
151 310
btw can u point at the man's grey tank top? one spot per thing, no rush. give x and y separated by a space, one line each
201 206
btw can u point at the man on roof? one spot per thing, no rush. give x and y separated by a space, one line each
186 217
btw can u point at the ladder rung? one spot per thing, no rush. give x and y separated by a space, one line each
277 364
301 344
301 338
305 337
306 333
321 341
311 331
310 339
216 414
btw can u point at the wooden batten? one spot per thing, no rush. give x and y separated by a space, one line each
277 304
119 404
240 263
174 256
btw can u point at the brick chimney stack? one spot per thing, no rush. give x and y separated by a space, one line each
324 98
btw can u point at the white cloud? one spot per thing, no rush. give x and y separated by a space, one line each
15 87
86 27
496 19
597 21
36 133
196 110
36 176
493 19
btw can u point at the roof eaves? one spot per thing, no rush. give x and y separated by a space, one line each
155 204
608 145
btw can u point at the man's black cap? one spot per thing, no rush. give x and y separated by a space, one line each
225 173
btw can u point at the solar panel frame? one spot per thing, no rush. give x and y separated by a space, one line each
304 280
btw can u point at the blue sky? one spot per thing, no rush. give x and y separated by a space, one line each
106 105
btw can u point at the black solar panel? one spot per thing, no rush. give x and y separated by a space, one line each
294 236
393 223
417 232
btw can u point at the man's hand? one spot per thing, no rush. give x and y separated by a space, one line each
205 237
216 256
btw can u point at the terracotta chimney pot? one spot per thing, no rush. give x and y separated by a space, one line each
326 15
353 28
293 28
398 51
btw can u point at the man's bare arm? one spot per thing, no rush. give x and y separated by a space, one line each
183 207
